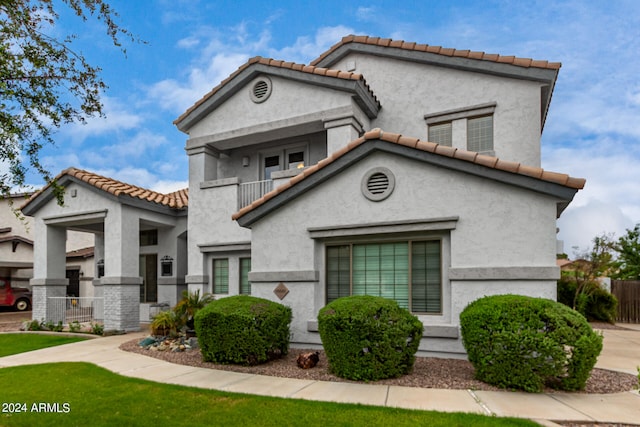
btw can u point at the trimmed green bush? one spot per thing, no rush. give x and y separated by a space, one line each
527 343
369 338
243 330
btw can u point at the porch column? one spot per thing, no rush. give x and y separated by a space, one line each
121 281
98 272
49 261
203 167
340 132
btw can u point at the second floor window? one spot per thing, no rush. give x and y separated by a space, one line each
271 164
440 133
480 134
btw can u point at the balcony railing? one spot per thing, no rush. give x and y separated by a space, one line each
248 192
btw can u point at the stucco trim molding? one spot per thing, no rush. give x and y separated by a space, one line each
408 226
461 113
504 273
120 281
430 331
196 280
220 183
224 247
77 217
284 276
49 282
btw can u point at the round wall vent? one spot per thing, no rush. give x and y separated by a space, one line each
378 184
260 90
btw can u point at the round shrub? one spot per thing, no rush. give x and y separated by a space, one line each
527 343
243 330
369 338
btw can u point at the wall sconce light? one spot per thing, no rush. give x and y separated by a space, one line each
245 161
166 266
100 265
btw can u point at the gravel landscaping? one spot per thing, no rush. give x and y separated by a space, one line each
428 372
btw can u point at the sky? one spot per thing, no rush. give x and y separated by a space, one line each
592 129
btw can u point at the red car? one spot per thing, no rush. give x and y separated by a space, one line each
18 298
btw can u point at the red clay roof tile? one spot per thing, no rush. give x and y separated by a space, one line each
178 199
463 155
401 44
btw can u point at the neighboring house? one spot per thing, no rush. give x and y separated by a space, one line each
16 250
297 195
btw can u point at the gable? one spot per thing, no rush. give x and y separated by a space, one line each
350 83
116 191
542 72
558 186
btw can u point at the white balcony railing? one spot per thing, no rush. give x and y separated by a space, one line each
248 192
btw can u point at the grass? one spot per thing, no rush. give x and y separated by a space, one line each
20 343
102 398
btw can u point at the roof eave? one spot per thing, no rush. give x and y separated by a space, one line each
563 193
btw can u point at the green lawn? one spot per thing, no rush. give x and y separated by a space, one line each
97 397
19 343
82 394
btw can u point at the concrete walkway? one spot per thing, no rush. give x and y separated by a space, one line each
621 352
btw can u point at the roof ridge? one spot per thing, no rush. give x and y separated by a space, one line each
460 53
431 147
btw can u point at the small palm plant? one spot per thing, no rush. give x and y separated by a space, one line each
166 323
190 304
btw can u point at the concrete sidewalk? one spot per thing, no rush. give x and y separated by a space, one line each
621 352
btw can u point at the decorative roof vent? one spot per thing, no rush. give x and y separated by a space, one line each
260 90
378 184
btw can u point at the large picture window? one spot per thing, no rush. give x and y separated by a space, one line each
407 272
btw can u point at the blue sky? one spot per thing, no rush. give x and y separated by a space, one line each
592 130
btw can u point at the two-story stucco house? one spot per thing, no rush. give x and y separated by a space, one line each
384 167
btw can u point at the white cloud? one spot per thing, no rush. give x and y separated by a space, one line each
610 201
118 117
166 187
307 48
222 54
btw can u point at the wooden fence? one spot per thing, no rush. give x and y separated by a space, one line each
628 294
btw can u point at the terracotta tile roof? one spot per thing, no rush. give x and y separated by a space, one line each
431 147
81 253
176 200
309 69
439 50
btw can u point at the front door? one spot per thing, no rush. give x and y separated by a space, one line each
73 288
149 274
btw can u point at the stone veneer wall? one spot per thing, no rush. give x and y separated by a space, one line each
121 307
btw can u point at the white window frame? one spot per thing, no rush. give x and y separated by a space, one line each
464 114
283 157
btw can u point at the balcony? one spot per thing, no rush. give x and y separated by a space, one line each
248 192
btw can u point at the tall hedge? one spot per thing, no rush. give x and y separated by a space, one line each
243 330
369 338
527 343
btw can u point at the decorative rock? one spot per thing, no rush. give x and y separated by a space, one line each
308 360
